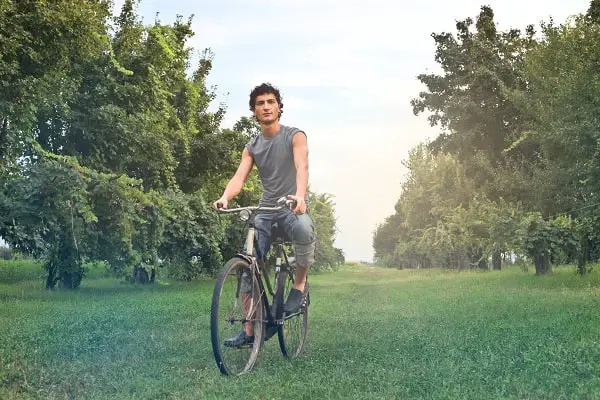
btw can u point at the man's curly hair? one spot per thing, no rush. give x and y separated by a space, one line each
265 88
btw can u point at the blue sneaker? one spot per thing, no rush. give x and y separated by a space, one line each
240 340
296 299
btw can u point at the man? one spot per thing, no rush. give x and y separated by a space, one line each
280 153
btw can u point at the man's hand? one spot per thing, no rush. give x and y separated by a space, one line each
222 201
300 204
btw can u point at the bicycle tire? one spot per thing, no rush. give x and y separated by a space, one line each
291 331
225 356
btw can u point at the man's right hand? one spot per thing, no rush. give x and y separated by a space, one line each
221 203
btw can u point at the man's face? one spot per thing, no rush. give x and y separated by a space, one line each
266 109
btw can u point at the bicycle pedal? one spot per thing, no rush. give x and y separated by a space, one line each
305 302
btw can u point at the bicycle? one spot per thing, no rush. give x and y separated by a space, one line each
251 288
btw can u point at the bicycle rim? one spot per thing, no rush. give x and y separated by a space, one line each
235 300
292 331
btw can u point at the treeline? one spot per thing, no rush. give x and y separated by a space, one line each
515 171
108 150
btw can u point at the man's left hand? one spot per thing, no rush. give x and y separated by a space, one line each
300 204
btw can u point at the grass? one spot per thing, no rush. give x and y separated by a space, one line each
373 333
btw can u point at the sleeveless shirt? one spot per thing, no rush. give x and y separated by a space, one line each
274 158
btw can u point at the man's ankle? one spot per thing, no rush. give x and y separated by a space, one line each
299 285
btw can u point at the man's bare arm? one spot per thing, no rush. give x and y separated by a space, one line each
235 185
300 147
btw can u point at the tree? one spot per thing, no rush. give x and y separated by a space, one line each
322 211
593 12
41 45
108 149
435 185
563 96
118 116
249 127
385 240
474 101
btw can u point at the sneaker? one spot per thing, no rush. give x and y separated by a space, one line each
295 300
240 340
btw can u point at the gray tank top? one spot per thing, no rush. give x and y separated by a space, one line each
274 158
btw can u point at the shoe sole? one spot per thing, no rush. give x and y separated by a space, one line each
242 346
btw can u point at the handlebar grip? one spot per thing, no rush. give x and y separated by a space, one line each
291 204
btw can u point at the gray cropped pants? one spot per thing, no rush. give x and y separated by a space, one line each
300 229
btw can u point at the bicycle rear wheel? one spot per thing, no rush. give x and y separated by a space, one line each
236 303
291 330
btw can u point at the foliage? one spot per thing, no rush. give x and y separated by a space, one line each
515 169
43 47
111 218
322 212
474 100
191 238
108 150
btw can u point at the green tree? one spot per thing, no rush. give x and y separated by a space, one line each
108 149
564 97
322 211
120 117
42 44
475 102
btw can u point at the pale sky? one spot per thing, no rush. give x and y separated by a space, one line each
347 71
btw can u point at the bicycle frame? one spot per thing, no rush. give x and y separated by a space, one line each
247 265
247 254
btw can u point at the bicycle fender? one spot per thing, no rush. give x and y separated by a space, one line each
247 258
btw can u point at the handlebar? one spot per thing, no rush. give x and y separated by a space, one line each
284 202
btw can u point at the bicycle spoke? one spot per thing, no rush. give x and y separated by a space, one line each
237 307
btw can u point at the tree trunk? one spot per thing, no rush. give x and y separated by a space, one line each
482 263
497 260
581 267
3 138
542 262
64 279
478 260
70 280
51 280
140 275
583 256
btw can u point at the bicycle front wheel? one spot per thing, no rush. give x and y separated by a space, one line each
291 328
237 319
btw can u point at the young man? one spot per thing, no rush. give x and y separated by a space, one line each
280 153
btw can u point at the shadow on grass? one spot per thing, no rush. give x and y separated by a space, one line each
15 273
562 277
101 287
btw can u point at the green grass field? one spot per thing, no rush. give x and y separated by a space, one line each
373 334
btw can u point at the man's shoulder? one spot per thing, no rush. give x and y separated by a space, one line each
252 142
290 131
290 128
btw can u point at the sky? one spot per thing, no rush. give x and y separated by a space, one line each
347 71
